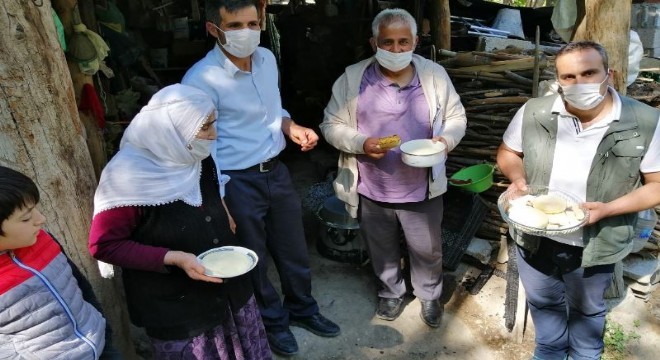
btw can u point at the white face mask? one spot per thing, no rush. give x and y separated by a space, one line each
393 61
240 43
583 96
200 148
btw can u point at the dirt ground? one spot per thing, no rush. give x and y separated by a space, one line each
473 326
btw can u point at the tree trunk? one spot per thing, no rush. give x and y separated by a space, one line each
608 22
42 136
441 24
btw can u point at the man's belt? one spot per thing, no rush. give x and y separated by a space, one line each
265 166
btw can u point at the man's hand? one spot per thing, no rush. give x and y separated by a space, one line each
305 137
518 185
372 149
597 211
232 222
188 262
442 140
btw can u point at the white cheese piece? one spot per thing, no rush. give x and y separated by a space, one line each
528 216
549 204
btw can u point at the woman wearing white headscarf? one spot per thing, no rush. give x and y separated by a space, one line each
157 206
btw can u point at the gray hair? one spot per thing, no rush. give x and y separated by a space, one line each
389 17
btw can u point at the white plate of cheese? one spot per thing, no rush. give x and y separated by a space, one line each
228 261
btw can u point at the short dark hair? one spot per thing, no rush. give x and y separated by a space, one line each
16 192
212 8
584 45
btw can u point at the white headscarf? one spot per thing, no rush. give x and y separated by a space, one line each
154 165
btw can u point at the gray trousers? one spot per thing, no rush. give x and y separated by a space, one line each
381 224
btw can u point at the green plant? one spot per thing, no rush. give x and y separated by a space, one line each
617 339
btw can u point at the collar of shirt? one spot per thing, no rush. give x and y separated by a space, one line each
559 108
385 82
257 61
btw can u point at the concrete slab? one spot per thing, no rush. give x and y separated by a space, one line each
480 249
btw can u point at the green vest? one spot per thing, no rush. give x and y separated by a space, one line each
614 171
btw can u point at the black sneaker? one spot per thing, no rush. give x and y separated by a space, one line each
282 342
431 312
317 324
389 308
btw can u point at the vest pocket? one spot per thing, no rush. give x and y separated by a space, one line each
612 241
624 171
628 150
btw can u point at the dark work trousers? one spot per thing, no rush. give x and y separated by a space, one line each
565 300
381 224
268 218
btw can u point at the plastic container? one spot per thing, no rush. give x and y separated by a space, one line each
476 178
506 199
646 220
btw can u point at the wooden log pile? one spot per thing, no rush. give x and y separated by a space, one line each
492 86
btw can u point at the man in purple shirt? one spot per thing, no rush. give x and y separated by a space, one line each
395 92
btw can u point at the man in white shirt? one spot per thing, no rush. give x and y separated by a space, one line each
242 79
603 148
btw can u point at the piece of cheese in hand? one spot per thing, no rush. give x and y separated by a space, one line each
549 204
528 216
389 142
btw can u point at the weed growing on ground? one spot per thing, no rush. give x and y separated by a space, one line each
617 339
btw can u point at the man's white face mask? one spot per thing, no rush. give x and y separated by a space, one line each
240 43
393 61
583 96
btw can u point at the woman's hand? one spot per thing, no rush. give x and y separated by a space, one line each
188 262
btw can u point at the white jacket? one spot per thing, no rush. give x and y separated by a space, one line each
339 127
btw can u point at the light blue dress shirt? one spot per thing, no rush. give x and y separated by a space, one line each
249 107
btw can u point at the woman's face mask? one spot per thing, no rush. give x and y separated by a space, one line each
393 61
200 148
240 43
583 96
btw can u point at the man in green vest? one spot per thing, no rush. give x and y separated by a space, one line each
605 149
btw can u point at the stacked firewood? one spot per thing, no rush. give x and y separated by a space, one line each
492 86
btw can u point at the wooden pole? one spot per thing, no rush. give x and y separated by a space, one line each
441 24
608 22
537 60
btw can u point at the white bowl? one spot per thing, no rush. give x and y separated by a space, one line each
422 153
228 261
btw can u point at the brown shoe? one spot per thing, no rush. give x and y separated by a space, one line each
389 308
431 312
